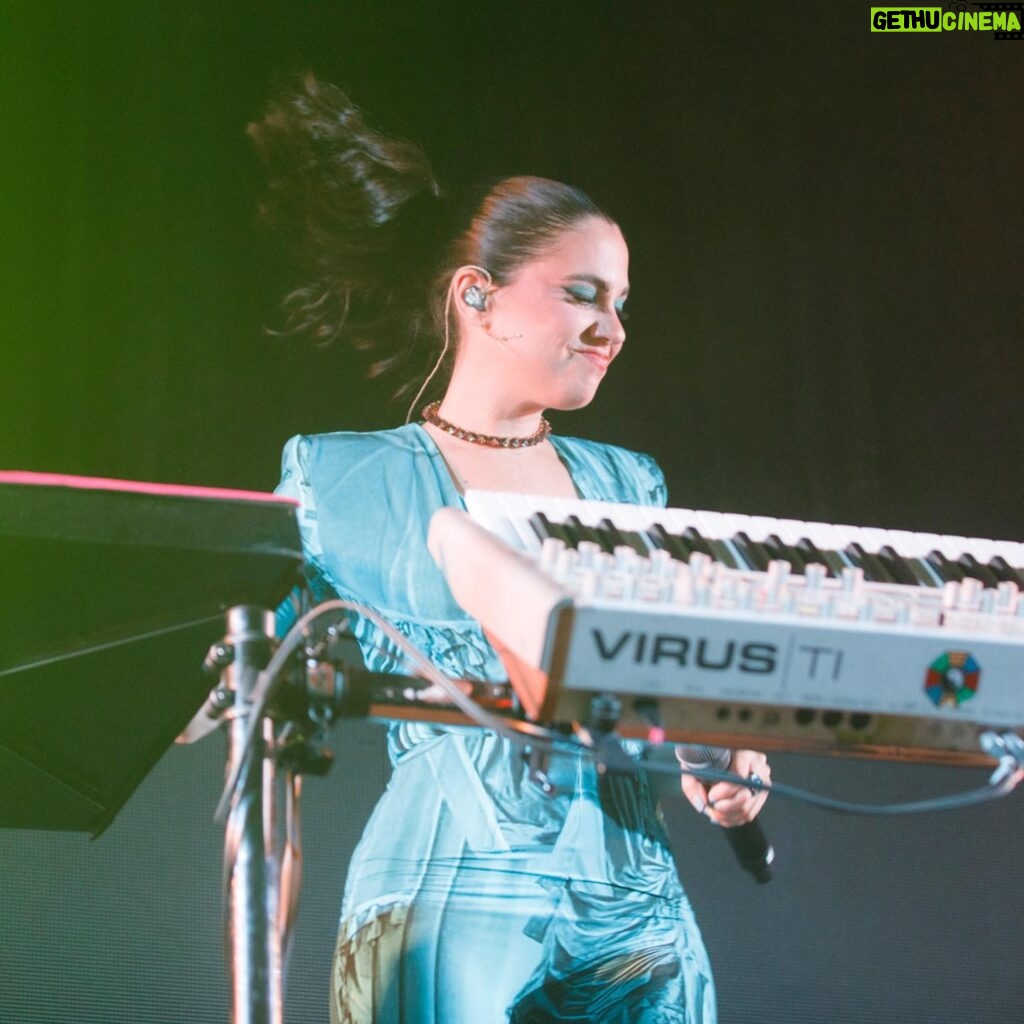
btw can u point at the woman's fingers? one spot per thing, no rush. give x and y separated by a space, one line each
730 804
694 791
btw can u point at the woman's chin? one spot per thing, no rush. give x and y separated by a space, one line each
574 400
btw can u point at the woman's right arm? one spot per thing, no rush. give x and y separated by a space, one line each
296 483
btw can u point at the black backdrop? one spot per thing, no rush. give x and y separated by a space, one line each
825 226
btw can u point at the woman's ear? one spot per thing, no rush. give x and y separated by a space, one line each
471 287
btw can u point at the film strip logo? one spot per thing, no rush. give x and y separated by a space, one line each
959 7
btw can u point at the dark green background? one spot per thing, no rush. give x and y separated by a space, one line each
825 228
826 240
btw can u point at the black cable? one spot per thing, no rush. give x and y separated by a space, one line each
535 734
1002 782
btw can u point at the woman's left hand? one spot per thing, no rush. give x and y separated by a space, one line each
727 803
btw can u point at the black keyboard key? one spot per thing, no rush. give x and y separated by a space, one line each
716 550
871 566
1006 572
898 567
695 542
670 542
624 538
751 552
580 531
922 572
610 535
780 550
947 571
973 568
544 528
832 560
720 553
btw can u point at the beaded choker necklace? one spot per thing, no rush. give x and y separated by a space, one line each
430 415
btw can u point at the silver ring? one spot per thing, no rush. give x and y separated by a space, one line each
757 783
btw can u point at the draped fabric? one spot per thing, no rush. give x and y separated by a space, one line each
473 895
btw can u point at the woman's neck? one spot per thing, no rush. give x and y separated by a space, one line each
481 406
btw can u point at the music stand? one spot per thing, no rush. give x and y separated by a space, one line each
111 592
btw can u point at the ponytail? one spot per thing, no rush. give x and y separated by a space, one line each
361 213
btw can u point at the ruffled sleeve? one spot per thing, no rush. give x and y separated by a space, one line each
604 472
364 504
650 481
295 483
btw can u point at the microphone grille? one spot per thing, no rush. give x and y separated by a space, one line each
697 756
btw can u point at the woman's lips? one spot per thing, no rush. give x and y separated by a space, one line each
599 359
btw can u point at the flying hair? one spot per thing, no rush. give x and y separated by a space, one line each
375 239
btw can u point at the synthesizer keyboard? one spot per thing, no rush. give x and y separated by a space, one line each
801 635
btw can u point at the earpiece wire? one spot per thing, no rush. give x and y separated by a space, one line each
447 335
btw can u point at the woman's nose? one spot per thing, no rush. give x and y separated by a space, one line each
612 328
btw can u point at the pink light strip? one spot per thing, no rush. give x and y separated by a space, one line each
93 483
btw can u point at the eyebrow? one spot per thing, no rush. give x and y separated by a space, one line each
596 281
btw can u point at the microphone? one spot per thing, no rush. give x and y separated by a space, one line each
503 339
476 298
749 843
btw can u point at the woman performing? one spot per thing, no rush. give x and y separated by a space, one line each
475 896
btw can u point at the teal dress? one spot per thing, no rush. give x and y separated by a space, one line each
473 896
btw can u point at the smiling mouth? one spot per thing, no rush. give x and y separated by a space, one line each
597 358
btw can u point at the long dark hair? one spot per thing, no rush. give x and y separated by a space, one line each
376 239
